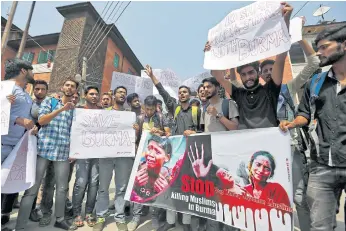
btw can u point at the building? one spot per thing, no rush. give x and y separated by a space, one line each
310 32
58 56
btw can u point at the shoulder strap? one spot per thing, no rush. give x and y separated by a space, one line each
177 110
53 103
287 96
225 108
205 109
194 116
161 120
315 87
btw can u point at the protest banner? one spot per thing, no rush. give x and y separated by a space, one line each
195 81
296 26
218 176
169 80
102 134
246 35
134 84
18 171
6 89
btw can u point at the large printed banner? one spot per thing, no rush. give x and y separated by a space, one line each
18 171
195 81
134 84
240 178
102 134
248 34
6 89
169 80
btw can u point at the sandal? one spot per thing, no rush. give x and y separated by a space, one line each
90 219
78 222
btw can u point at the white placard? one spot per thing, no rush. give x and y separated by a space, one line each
195 81
102 134
296 25
248 34
18 171
169 80
6 90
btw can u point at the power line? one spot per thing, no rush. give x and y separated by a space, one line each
95 37
301 8
109 29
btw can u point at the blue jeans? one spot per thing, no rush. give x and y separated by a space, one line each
122 166
87 175
322 194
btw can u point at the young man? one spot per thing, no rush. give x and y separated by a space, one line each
122 167
288 100
106 100
87 173
324 99
20 72
159 105
187 119
257 104
134 103
75 98
201 95
55 118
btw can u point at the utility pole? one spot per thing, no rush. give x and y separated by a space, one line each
8 27
84 73
26 31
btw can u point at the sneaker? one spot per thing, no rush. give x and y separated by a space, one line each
35 215
187 227
45 220
69 214
132 226
100 224
122 226
127 211
62 225
166 227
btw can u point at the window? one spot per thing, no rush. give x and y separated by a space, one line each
130 72
297 54
28 56
116 60
43 56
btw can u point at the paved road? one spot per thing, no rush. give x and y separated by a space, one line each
146 223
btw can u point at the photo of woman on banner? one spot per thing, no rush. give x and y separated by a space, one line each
261 168
156 170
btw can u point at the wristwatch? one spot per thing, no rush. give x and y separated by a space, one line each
219 115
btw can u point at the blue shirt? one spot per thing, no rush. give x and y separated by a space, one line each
19 109
54 138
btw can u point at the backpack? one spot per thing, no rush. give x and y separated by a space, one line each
53 103
282 113
141 122
224 106
315 88
194 115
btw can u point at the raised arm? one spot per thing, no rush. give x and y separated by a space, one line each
278 68
46 115
167 98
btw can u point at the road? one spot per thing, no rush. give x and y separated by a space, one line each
146 223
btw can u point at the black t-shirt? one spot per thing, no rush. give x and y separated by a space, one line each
257 108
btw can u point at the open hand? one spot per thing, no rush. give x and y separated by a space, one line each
286 10
161 183
197 163
149 71
142 177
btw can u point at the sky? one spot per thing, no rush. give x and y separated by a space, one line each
162 34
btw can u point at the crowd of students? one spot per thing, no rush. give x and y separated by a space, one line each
312 106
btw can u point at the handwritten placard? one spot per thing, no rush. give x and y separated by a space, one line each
296 25
248 34
134 84
6 89
195 81
102 134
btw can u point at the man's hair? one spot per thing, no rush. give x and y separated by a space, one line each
163 142
255 65
335 33
120 87
211 80
199 87
88 88
192 101
188 89
72 80
14 66
77 93
106 93
37 82
131 97
266 62
150 101
159 101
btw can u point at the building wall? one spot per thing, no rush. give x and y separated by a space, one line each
108 69
8 54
